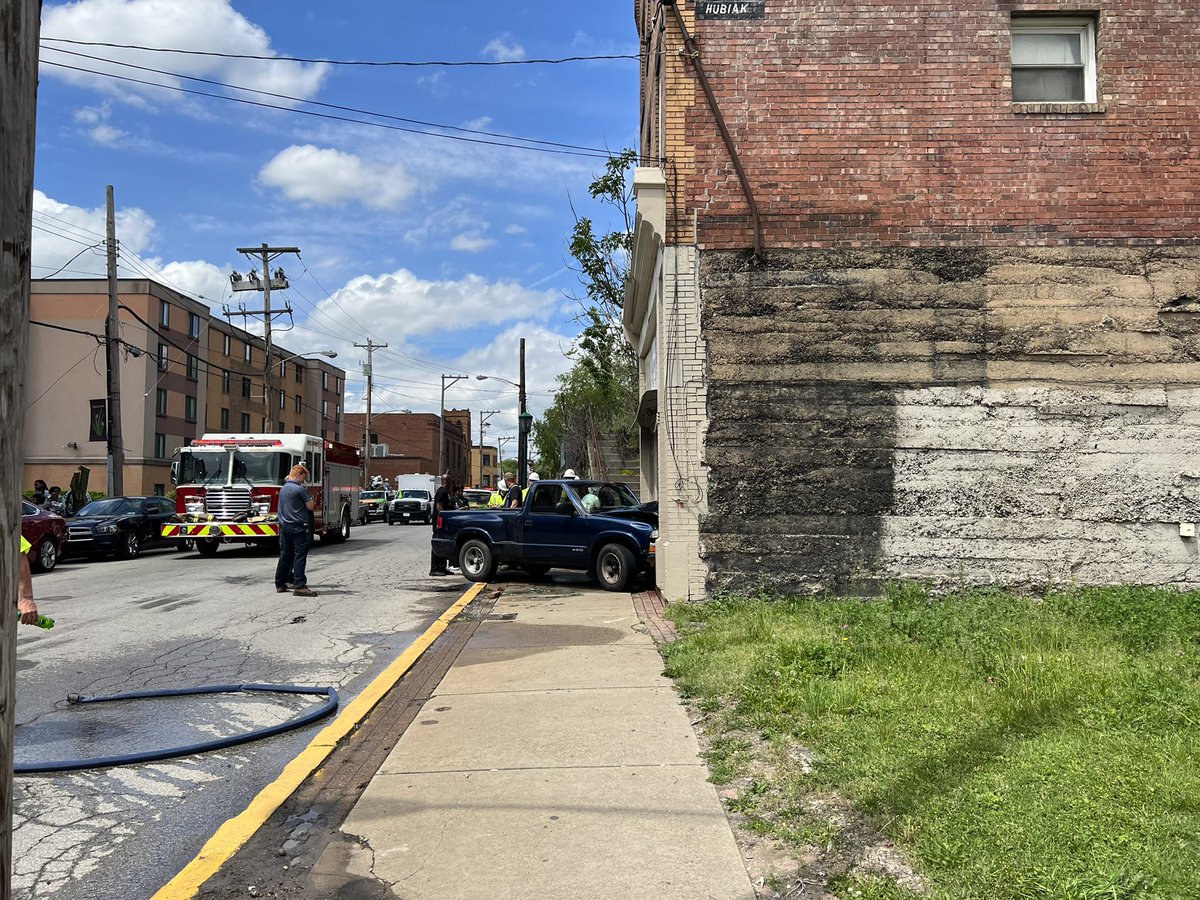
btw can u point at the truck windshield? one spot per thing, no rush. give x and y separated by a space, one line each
261 468
415 495
204 467
371 495
211 467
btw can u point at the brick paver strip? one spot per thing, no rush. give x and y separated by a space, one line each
649 607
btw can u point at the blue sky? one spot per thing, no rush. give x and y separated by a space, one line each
447 250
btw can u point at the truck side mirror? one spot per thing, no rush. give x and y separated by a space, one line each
175 472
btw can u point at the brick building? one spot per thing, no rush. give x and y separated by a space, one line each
407 443
182 373
917 292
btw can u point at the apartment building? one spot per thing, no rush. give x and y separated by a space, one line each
916 292
182 372
406 443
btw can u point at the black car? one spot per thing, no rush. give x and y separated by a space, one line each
120 525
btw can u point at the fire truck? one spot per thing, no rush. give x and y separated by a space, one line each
227 487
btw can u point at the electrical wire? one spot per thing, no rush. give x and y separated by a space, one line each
340 108
319 115
483 63
72 259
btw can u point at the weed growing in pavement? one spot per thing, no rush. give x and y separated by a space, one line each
1013 747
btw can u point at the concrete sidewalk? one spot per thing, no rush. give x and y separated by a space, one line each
554 760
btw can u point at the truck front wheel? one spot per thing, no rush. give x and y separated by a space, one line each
476 560
614 567
207 546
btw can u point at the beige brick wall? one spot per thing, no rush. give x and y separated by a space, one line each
682 422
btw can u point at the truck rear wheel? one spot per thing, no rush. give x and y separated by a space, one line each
614 567
476 560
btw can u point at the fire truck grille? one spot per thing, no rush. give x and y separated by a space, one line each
227 503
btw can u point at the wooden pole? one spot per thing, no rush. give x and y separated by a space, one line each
19 26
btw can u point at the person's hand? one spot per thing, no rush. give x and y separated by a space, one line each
28 610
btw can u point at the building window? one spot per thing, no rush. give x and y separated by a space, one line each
224 419
262 428
225 381
297 429
337 385
160 403
225 342
246 388
299 373
160 490
282 400
193 325
299 403
160 446
325 408
164 313
162 357
249 352
324 381
283 371
193 367
245 423
337 412
189 409
1053 59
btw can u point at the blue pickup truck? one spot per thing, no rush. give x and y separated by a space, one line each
591 526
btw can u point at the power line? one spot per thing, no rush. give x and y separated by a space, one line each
484 63
598 154
340 108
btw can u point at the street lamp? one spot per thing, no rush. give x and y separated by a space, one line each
453 380
283 362
524 419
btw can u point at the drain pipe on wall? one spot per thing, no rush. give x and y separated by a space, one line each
691 50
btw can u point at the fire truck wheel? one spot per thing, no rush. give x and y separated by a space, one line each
207 546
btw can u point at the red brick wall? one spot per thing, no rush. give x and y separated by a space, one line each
867 123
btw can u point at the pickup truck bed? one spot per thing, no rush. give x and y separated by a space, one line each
591 526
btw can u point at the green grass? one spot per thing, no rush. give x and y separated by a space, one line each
1013 747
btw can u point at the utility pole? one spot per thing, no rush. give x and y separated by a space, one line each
253 282
524 422
482 425
112 357
370 346
19 27
453 380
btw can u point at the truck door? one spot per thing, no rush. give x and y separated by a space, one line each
553 531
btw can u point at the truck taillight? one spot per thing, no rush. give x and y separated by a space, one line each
439 520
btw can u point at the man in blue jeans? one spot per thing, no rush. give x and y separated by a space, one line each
295 506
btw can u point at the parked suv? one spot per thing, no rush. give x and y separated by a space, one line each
411 506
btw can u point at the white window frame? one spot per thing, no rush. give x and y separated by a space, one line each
225 344
1085 26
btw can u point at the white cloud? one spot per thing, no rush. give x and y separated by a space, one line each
470 243
198 278
327 177
504 49
515 229
402 303
106 135
61 231
178 24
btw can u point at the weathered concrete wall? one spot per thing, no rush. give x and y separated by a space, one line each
1024 416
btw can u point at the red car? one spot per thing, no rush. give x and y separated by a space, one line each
46 533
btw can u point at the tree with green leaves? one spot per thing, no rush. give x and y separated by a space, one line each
598 396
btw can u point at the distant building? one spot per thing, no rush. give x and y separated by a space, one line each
485 466
407 443
183 372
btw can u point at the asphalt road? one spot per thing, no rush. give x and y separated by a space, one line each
171 620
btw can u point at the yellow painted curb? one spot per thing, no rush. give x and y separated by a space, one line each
230 837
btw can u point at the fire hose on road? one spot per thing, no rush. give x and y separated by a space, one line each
125 759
